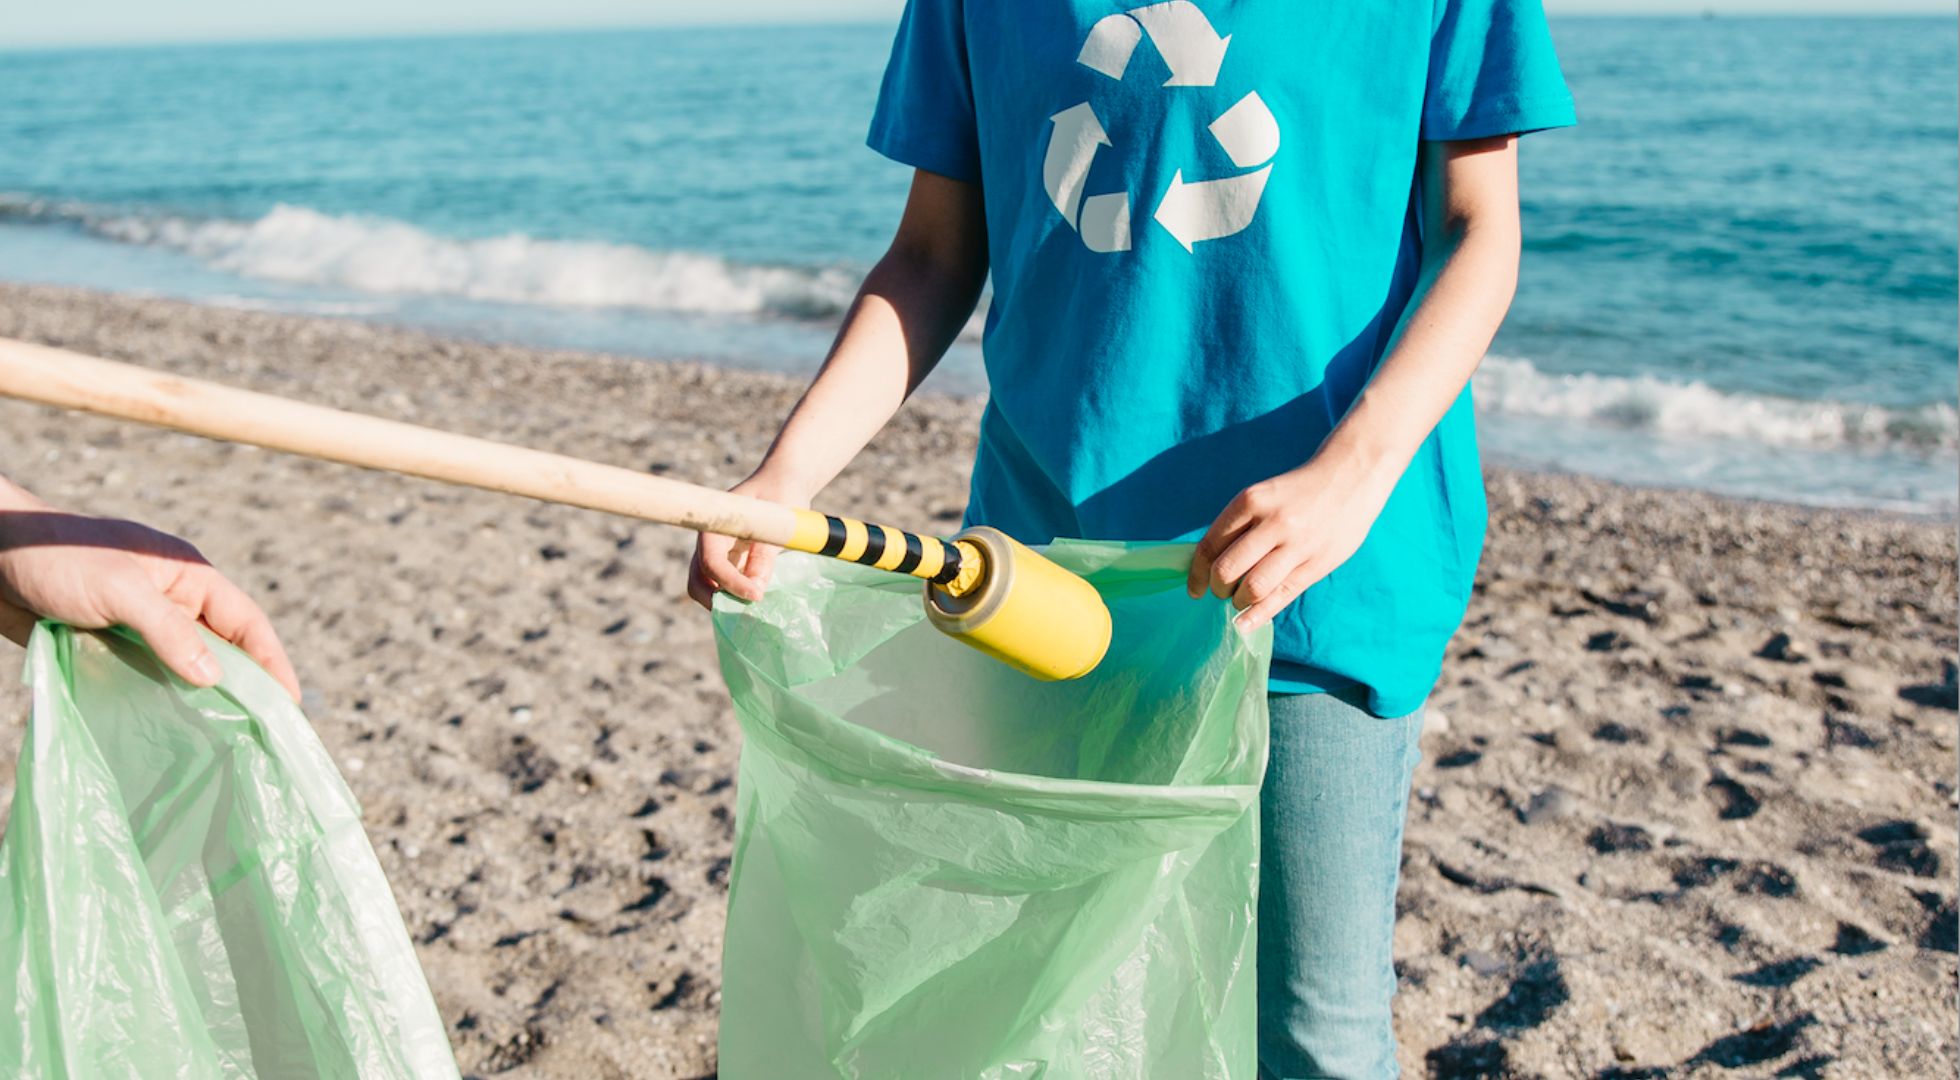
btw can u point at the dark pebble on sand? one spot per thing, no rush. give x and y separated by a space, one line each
1758 1044
1464 1059
1942 933
1780 973
1737 801
1853 940
1783 649
1535 994
1613 837
1944 694
1606 641
1902 848
1767 879
1702 871
657 890
1615 732
1845 733
1910 857
527 766
1892 832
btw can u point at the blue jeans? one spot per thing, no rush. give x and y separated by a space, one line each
1330 834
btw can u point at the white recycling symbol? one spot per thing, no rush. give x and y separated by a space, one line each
1192 211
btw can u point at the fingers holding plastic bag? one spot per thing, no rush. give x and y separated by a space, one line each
95 573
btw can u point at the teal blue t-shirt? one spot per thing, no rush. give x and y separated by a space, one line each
1202 231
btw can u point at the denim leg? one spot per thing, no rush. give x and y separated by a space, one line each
1331 815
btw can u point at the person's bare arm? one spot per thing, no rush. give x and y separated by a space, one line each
95 572
909 310
1280 536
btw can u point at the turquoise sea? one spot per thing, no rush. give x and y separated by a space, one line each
1740 271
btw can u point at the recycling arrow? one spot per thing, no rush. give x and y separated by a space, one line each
1247 132
1183 36
1105 224
1186 41
1109 45
1209 209
1071 150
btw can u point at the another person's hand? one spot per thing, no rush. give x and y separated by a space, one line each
97 572
738 567
1278 537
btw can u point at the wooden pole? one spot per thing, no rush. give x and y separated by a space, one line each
125 391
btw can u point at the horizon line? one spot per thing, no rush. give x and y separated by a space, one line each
521 30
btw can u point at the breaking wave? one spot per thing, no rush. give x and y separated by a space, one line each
1649 403
376 255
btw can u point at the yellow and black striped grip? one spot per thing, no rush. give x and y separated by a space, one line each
953 566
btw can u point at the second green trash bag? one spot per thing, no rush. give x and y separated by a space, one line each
946 869
186 892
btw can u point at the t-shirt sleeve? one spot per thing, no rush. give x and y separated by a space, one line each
1493 71
925 116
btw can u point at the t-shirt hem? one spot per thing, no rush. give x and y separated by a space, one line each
1286 677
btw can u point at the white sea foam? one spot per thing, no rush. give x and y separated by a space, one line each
376 255
1512 386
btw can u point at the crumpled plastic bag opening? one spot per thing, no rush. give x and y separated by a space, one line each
944 867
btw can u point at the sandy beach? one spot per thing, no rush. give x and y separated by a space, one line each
1687 807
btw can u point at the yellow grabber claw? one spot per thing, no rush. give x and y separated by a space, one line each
984 588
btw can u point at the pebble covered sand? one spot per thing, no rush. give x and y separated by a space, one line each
1687 808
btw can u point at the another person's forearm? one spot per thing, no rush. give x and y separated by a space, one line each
909 311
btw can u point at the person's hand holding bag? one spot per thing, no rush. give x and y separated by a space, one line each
94 573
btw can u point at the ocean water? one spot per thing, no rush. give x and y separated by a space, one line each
1740 270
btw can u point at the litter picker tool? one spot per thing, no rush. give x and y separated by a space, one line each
982 587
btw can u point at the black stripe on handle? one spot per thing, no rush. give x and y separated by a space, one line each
834 543
874 545
914 551
876 539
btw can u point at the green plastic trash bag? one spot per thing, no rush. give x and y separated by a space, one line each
946 869
186 890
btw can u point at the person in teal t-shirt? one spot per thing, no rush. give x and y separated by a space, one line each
1245 257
